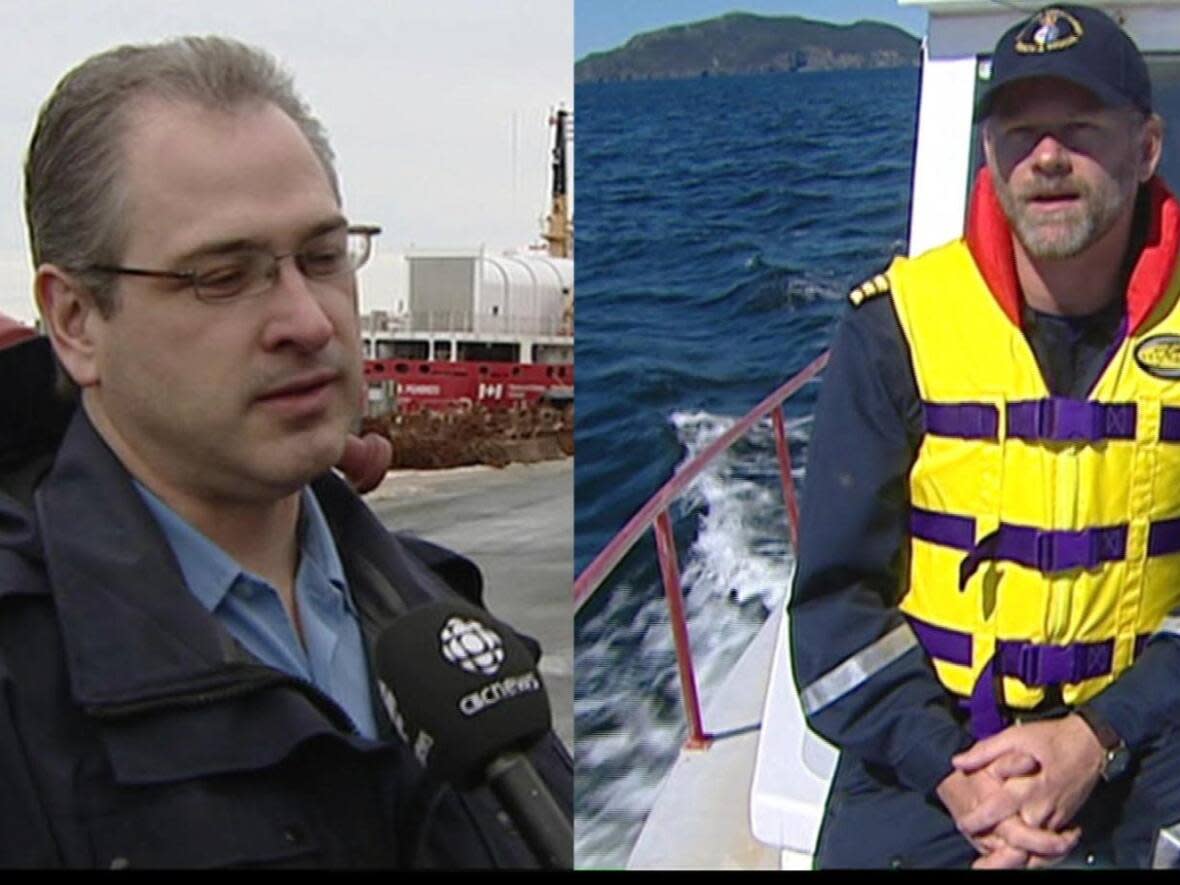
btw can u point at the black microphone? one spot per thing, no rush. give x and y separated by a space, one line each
465 695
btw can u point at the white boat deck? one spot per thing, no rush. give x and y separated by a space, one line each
754 798
700 817
793 768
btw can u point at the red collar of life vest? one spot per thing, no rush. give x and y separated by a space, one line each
989 238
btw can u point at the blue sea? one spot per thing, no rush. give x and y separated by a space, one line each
720 223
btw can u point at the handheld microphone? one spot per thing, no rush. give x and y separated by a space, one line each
465 695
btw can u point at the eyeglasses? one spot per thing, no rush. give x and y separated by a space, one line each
222 277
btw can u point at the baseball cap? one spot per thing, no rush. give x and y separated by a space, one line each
1074 43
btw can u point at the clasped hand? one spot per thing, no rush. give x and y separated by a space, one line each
1013 794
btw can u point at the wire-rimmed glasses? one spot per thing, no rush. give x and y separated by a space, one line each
239 273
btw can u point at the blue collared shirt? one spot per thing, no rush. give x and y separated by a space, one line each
251 610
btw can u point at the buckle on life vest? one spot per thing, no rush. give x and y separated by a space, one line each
1046 550
1062 419
1055 664
1033 664
1068 418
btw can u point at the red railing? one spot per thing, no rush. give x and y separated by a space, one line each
654 514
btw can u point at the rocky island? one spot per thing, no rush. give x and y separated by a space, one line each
743 43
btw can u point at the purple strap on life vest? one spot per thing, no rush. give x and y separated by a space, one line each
1039 665
1042 549
952 646
1056 418
943 528
1170 424
1163 537
1054 664
1060 418
1046 550
962 420
955 647
984 706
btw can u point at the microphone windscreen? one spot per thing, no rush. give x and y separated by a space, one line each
460 687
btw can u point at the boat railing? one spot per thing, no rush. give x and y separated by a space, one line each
654 515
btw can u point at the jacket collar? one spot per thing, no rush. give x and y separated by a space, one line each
133 632
131 629
136 640
989 238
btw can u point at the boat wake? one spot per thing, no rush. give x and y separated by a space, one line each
736 565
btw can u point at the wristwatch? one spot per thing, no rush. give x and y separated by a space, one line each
1117 757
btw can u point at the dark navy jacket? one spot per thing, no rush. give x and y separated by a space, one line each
135 732
868 425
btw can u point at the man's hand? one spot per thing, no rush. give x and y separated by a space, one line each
365 461
1069 759
1009 842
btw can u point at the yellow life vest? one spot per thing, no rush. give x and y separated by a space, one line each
1045 531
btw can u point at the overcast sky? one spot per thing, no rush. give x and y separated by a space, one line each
437 109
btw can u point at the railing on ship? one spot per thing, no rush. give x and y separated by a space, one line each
654 515
549 323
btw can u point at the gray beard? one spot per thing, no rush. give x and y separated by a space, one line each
1072 232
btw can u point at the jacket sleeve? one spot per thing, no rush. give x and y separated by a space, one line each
25 836
865 683
1144 702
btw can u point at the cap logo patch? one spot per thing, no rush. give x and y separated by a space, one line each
1051 30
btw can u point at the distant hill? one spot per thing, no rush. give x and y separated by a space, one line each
742 43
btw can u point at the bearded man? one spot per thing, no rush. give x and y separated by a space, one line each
985 614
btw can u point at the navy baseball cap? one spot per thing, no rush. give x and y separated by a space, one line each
1074 43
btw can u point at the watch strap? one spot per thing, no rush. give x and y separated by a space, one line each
1107 736
1115 757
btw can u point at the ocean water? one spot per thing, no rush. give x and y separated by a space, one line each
721 222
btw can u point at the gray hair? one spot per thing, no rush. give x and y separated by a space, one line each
73 172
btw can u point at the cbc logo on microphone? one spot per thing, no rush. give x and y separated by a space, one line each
471 645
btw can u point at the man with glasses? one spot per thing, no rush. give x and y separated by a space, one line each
189 598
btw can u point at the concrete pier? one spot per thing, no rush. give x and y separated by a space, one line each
516 524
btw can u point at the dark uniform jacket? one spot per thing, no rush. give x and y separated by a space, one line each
901 722
134 731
